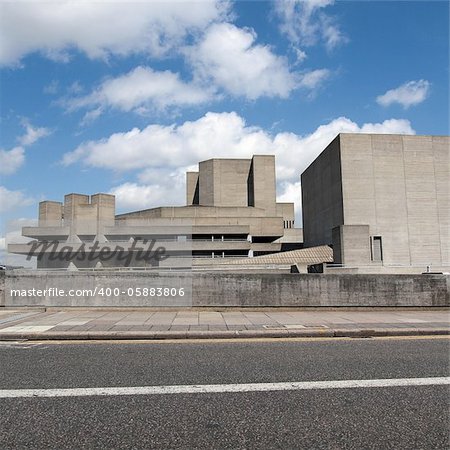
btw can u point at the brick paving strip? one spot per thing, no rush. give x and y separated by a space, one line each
98 324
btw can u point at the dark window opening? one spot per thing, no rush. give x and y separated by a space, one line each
377 249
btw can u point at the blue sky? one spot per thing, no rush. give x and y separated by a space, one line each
123 97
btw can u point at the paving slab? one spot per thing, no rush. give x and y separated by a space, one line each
146 324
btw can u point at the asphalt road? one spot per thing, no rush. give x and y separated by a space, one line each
408 417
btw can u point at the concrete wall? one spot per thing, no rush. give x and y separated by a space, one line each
441 154
206 182
83 215
236 182
71 201
106 210
211 217
192 188
223 182
351 245
322 197
396 185
243 290
50 214
286 210
264 185
391 183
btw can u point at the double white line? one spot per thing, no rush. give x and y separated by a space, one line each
223 388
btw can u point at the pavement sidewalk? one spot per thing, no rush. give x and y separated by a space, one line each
94 324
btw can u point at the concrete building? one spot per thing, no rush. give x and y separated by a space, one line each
231 211
381 202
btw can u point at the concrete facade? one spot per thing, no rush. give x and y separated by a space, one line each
380 200
231 211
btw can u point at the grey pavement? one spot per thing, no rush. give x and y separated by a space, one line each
160 324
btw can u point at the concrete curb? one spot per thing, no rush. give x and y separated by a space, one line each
230 334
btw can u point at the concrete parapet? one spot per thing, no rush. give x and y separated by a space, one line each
239 290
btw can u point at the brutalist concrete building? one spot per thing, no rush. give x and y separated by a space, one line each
381 202
231 211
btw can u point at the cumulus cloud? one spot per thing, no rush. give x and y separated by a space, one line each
10 200
221 135
140 88
305 23
169 146
101 28
225 59
11 160
408 94
229 57
168 190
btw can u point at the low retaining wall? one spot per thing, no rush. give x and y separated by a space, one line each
234 290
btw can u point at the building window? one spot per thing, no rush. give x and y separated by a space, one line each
377 249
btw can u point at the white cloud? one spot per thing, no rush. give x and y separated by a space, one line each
10 200
167 191
218 134
134 196
14 236
291 192
408 94
161 153
228 57
101 28
314 79
300 55
305 23
91 116
32 134
156 187
140 88
11 160
52 88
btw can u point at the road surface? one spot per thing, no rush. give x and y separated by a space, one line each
249 394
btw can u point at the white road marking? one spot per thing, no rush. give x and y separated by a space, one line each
223 388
